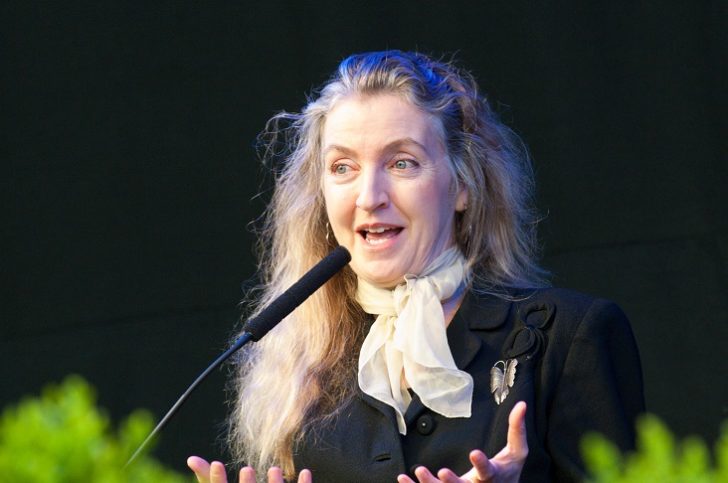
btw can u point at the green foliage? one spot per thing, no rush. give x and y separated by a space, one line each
62 437
659 457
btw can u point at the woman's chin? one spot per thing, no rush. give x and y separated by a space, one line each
382 279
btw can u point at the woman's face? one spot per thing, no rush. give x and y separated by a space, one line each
387 185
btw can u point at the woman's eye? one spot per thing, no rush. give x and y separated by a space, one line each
340 169
403 163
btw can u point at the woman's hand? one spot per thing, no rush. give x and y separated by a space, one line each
215 473
505 467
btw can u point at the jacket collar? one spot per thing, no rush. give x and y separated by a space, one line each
484 311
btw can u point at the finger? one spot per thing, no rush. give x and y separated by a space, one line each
247 475
517 442
404 479
424 476
217 472
447 476
200 467
275 475
305 476
484 468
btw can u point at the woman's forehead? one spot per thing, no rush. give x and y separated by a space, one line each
381 120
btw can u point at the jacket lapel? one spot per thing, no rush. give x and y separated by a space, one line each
477 313
383 408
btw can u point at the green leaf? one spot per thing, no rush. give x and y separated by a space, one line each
658 457
62 437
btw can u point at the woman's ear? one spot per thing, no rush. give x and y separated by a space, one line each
461 201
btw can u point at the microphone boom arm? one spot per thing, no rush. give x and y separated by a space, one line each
258 326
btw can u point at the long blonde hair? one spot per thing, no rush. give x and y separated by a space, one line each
306 367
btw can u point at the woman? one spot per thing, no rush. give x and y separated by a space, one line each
414 357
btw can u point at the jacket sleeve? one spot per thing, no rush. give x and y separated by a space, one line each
600 389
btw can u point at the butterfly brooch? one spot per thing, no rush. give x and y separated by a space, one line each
502 379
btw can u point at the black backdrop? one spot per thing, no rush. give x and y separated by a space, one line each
129 176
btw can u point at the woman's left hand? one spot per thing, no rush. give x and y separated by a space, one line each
505 467
215 473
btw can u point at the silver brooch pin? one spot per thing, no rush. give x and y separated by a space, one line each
501 380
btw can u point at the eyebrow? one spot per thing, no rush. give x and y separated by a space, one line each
388 147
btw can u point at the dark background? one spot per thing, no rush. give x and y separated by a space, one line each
129 176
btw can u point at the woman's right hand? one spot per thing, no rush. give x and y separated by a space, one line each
215 473
505 467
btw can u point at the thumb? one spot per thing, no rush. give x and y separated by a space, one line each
517 442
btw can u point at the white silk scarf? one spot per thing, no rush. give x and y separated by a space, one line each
408 341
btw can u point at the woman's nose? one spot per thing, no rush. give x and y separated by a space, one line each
373 192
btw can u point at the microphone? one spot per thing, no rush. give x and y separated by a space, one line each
255 328
297 293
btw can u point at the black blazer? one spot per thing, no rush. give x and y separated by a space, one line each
578 370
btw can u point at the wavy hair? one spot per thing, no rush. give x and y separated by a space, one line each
299 376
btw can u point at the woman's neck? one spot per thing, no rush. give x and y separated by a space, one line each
451 305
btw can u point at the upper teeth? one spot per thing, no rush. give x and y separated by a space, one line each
381 229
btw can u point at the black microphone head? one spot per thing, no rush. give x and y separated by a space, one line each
297 293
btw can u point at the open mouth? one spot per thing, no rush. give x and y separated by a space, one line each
378 235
